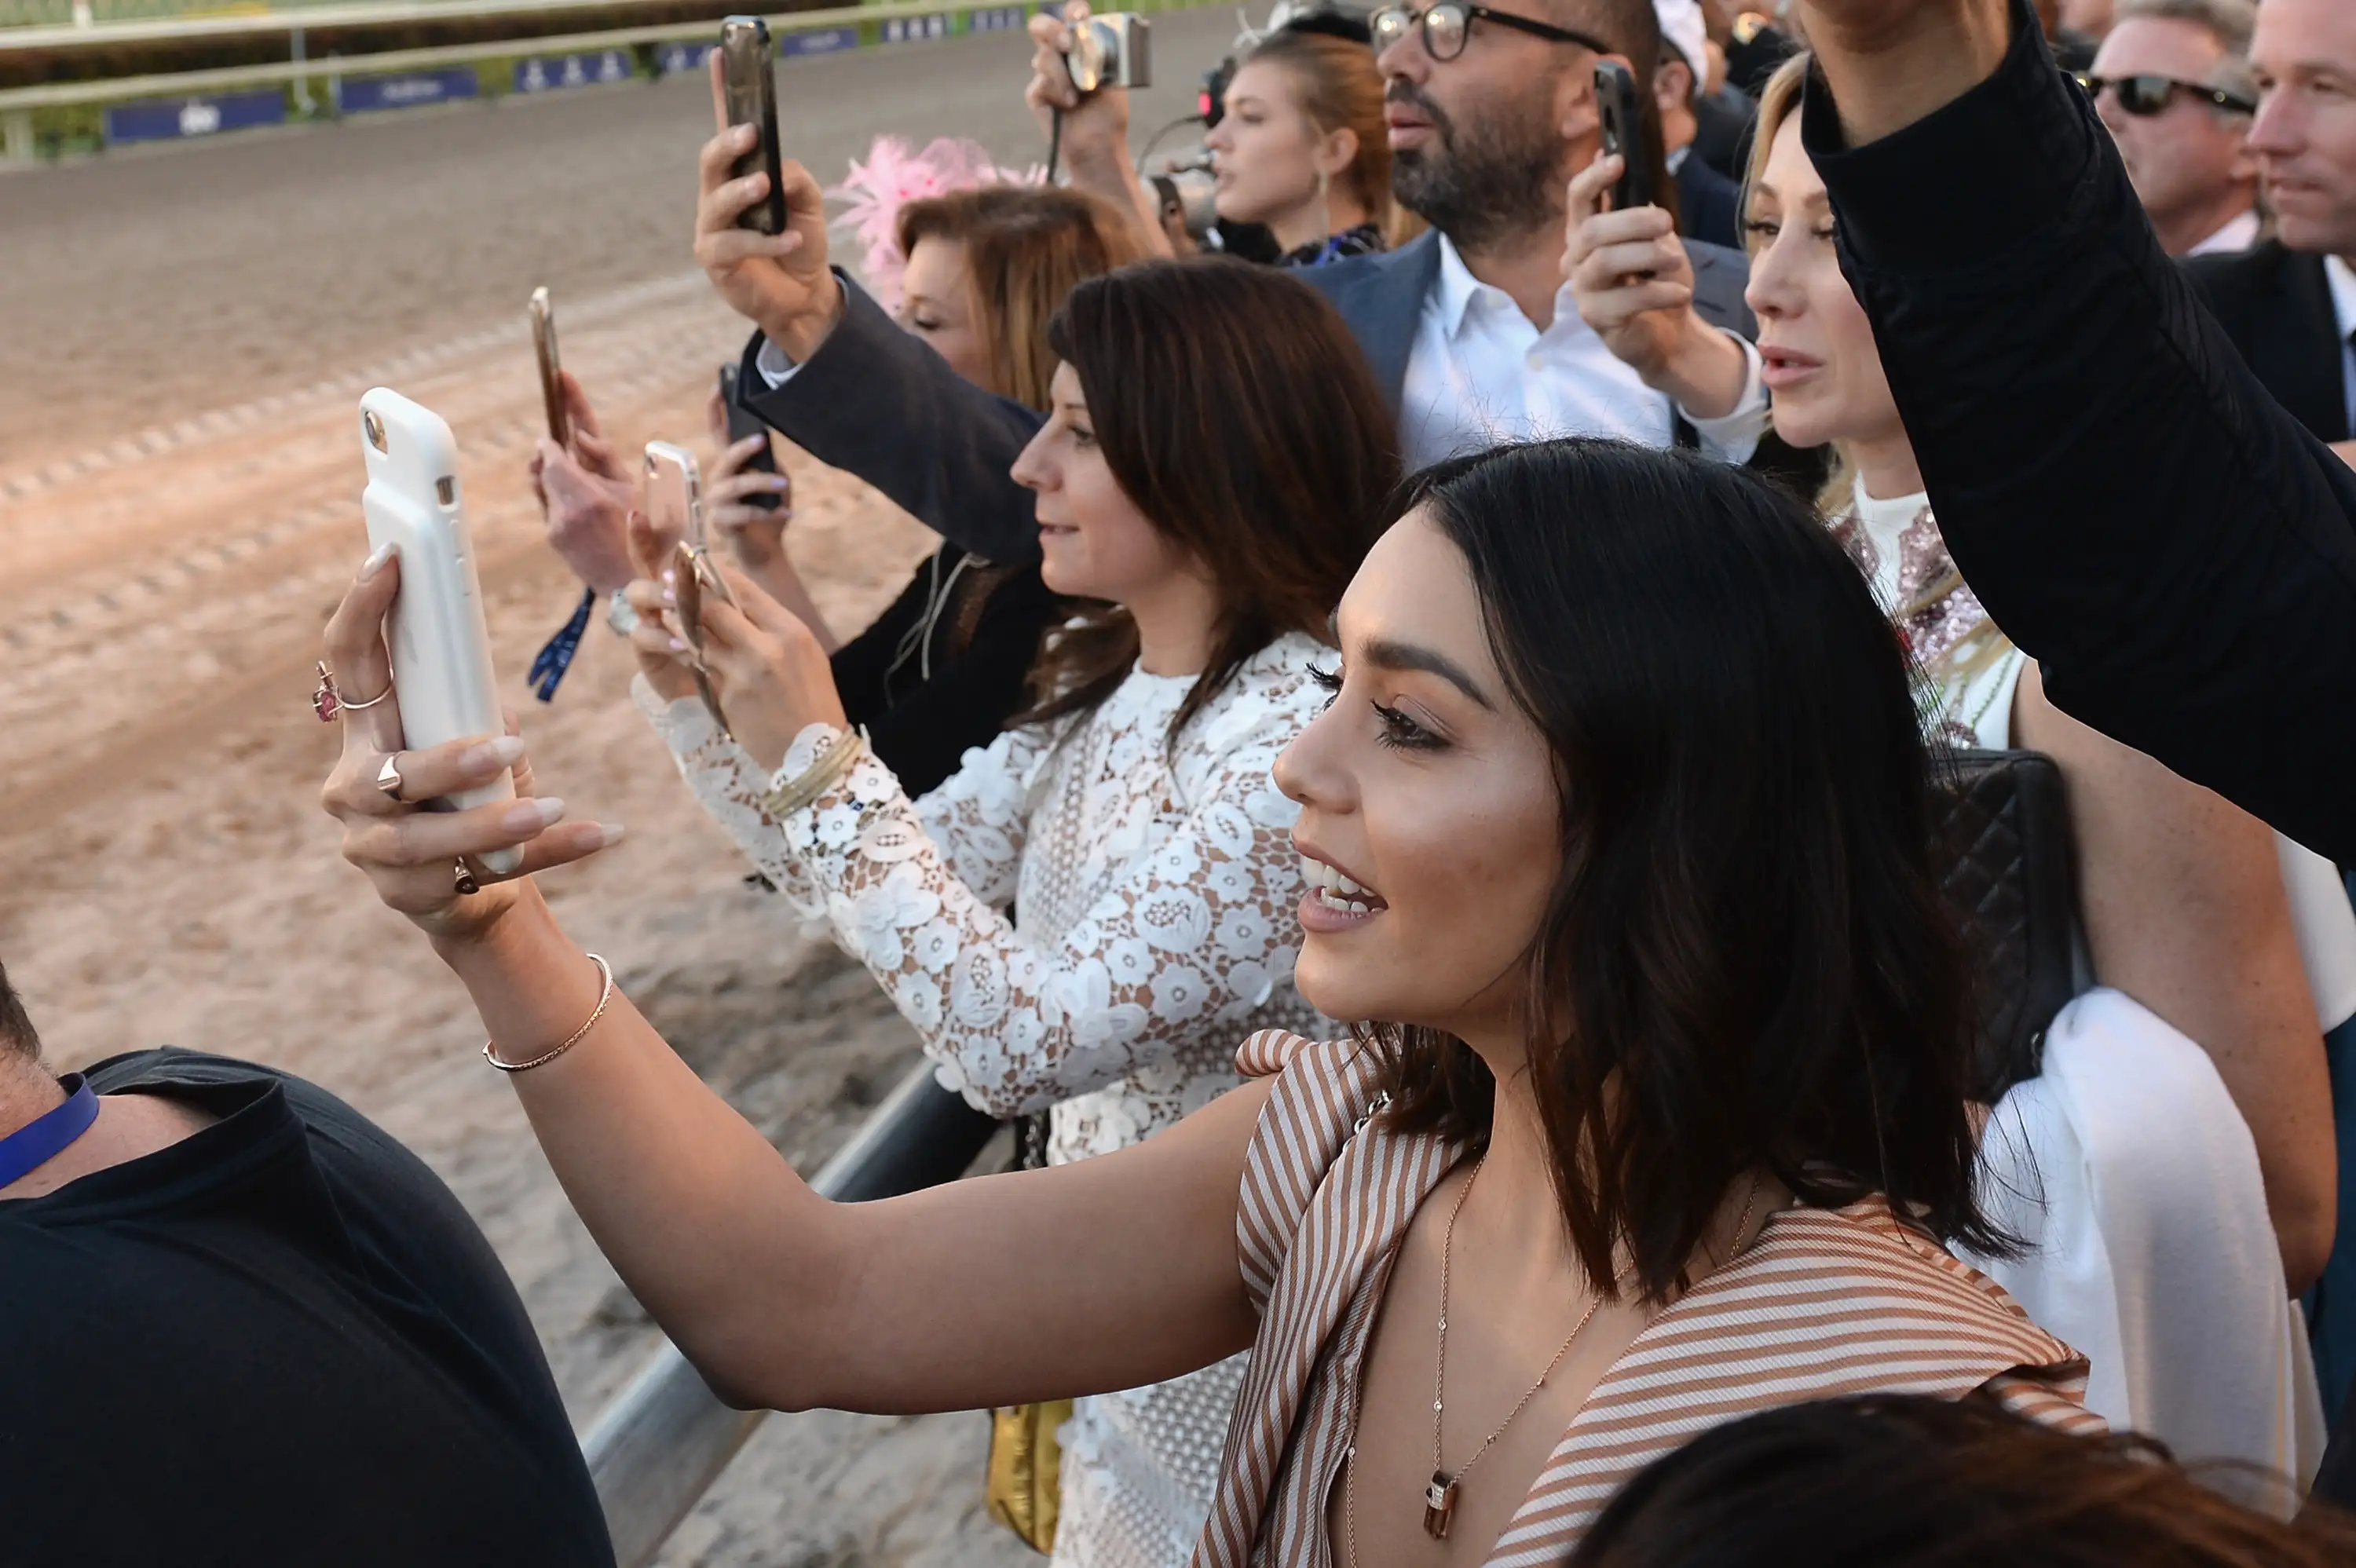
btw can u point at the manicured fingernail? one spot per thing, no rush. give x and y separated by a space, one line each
669 575
780 481
670 596
527 815
375 562
504 752
609 834
677 646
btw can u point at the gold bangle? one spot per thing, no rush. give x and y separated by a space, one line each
816 779
604 998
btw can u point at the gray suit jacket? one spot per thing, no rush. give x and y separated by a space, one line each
876 402
1381 296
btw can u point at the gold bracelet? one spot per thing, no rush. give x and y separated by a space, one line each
816 779
604 996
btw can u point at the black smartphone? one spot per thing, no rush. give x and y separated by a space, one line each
749 85
1617 100
742 422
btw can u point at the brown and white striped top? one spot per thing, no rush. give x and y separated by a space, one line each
1825 1303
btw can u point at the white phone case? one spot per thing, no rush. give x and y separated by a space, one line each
441 646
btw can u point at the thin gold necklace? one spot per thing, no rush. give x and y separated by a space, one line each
1440 1496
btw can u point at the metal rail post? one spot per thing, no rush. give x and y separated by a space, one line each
666 1437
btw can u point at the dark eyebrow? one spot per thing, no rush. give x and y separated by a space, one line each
1386 655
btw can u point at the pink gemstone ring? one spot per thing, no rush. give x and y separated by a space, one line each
331 705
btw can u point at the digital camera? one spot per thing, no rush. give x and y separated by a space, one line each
1111 51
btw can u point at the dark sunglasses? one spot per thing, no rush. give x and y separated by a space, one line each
1446 25
2148 95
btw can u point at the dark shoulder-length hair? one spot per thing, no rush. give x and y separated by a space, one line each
1236 410
1745 961
1909 1481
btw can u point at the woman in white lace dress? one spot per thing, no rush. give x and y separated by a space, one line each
1212 469
2184 895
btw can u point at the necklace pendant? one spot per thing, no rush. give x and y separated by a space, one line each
1438 1506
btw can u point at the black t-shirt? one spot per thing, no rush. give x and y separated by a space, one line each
279 1341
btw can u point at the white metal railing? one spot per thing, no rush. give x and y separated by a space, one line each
51 37
17 104
118 89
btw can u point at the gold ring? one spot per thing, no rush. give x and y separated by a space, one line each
465 881
387 777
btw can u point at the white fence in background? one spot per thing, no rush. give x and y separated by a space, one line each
199 102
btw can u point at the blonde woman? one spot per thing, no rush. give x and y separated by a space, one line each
2191 935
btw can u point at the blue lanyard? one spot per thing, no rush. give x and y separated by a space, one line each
47 1136
555 657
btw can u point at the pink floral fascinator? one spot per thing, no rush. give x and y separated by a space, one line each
891 177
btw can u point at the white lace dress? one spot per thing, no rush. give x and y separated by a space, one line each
1156 887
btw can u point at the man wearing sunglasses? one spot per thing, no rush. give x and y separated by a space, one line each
2172 83
2290 303
1473 328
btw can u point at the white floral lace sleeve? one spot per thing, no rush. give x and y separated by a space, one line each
981 804
1192 937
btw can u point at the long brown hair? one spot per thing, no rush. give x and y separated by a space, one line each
1745 962
1339 90
1235 409
1025 248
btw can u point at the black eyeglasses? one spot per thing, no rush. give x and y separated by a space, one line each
1446 23
2144 96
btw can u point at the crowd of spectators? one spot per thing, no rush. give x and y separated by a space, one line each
1443 723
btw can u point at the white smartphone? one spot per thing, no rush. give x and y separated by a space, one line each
441 644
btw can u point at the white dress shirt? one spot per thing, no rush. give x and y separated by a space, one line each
1479 374
2342 278
773 365
2238 233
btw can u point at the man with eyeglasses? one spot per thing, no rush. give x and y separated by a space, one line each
1475 329
2172 83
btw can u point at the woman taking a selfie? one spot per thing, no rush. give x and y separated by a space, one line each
941 669
2183 897
1618 814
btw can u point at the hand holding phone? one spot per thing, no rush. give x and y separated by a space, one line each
1620 108
440 644
765 249
551 372
749 89
675 508
744 424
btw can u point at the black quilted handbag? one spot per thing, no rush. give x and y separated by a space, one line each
2009 872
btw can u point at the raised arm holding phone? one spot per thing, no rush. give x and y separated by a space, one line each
2174 548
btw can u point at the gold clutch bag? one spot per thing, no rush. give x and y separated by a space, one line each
1026 1470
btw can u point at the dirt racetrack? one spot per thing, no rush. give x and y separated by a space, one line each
183 333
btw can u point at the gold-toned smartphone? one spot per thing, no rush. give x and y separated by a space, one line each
552 385
675 507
